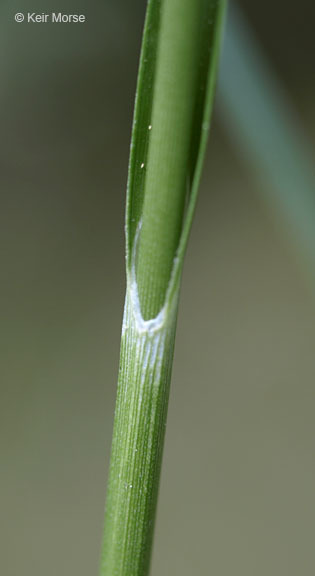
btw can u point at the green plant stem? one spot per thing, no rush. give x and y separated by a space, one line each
140 419
171 123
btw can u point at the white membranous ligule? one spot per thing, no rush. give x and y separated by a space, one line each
152 325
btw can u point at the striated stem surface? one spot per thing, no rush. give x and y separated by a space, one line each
140 419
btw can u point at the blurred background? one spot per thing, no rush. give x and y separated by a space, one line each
237 491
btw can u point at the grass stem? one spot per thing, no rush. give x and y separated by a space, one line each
172 117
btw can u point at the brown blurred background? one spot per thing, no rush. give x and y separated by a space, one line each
237 492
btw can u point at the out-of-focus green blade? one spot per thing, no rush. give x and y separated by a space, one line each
259 117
